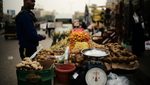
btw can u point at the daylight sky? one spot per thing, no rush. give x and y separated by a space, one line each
61 6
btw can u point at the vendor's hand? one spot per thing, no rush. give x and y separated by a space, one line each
44 37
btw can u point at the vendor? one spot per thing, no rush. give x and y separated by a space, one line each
76 23
95 28
26 30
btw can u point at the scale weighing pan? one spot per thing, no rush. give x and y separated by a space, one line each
94 52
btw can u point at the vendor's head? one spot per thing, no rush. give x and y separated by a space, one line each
76 23
29 4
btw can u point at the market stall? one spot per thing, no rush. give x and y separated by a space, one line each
77 59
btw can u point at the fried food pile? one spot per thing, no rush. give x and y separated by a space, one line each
27 65
120 58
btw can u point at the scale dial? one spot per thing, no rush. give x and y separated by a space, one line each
96 76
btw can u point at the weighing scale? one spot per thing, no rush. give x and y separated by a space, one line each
95 74
92 71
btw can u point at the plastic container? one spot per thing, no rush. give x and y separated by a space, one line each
39 77
63 72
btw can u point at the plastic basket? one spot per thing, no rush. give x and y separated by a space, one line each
39 77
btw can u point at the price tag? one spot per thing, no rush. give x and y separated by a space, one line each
75 75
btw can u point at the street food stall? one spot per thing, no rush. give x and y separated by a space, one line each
76 59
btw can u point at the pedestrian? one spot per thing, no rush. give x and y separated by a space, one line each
26 31
138 42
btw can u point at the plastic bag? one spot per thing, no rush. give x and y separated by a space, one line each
114 79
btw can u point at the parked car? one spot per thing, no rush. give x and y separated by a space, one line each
9 30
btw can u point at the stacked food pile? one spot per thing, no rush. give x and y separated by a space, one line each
120 58
44 55
79 40
43 60
60 46
46 58
30 71
28 65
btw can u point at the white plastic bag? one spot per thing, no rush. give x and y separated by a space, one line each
114 79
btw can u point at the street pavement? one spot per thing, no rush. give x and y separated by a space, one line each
9 57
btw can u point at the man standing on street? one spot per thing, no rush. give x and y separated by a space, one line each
26 31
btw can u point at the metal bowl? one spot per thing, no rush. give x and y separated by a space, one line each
94 52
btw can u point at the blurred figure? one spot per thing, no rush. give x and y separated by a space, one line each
76 23
26 31
95 28
107 17
138 41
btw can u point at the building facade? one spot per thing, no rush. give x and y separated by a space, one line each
11 12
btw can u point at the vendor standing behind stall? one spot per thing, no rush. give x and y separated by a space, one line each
26 31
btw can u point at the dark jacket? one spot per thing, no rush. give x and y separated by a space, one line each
26 31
